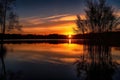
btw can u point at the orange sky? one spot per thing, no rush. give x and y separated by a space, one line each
49 17
57 24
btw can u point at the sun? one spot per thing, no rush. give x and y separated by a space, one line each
70 36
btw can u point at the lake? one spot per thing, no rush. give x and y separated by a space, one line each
59 61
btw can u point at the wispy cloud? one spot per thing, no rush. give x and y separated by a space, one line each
56 16
53 24
33 21
27 18
65 18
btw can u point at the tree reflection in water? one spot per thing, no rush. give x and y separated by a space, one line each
4 74
2 56
96 63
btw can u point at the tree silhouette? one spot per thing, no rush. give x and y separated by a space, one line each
13 22
2 56
81 24
100 17
5 6
7 16
4 73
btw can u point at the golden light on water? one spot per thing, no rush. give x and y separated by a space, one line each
69 41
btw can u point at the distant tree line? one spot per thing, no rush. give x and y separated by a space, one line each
32 36
105 35
99 16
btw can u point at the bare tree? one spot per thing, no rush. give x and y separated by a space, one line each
5 6
100 17
8 19
13 22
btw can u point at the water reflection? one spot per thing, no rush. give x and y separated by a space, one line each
46 61
4 74
69 41
96 63
2 56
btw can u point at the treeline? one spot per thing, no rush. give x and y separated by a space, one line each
104 36
32 36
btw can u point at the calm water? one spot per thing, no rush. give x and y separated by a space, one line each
64 61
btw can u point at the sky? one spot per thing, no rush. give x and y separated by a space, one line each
52 16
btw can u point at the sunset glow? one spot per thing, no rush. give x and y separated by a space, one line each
57 24
40 18
70 36
60 39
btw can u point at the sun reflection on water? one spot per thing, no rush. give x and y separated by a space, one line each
69 41
60 53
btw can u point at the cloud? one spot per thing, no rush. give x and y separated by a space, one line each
31 21
59 24
27 18
46 21
56 16
65 18
63 27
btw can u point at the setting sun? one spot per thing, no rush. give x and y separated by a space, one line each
69 35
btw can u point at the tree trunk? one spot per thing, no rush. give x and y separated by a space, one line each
4 20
